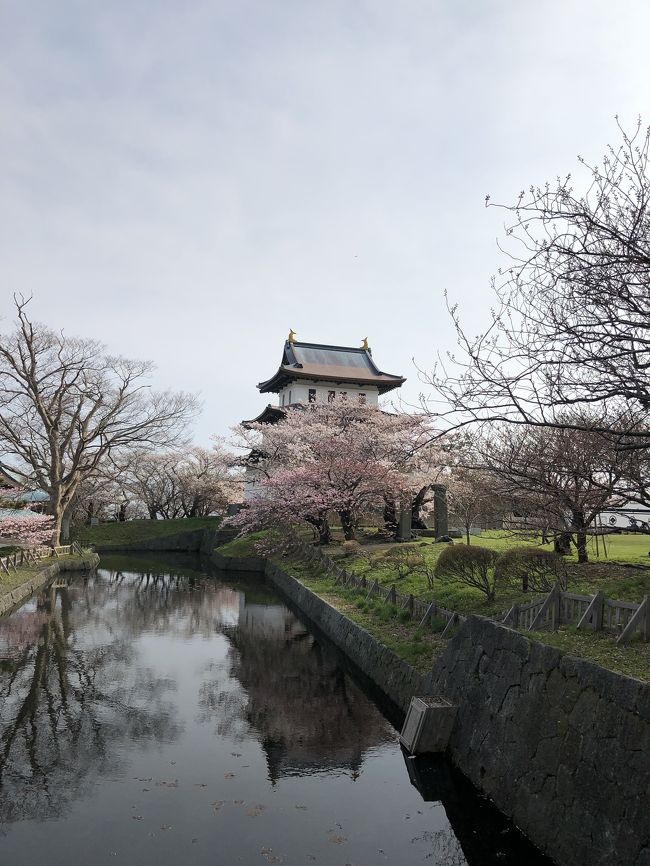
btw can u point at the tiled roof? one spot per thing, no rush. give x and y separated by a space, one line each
330 363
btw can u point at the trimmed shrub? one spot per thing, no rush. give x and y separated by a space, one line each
532 568
404 560
350 548
471 565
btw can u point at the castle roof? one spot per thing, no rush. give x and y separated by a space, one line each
339 364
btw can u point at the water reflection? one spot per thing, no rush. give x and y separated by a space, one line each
308 715
160 713
65 706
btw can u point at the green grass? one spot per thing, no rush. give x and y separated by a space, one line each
600 574
630 659
116 535
9 582
244 546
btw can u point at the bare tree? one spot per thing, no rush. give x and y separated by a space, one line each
572 322
192 482
557 480
66 406
473 496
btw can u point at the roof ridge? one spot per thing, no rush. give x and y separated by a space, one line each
328 346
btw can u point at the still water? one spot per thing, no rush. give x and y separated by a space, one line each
162 713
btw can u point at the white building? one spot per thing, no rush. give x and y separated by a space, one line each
319 373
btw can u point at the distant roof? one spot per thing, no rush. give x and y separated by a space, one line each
16 514
339 364
268 415
13 478
9 475
29 496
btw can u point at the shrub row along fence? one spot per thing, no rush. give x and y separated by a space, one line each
587 612
558 607
423 612
30 556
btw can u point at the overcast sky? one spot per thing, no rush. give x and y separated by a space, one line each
187 180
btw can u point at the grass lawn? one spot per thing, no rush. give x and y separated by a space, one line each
107 535
607 575
631 659
9 582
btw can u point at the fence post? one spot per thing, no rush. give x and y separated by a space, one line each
552 602
556 607
640 620
391 598
430 613
514 615
593 616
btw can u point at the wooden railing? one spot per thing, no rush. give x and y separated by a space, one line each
30 556
587 612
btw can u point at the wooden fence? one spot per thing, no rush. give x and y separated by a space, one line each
30 556
587 612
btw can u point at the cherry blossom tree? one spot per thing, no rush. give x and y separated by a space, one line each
29 529
333 459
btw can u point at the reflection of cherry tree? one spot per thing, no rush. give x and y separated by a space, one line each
305 709
66 707
153 601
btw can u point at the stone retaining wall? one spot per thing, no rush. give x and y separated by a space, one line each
80 563
561 745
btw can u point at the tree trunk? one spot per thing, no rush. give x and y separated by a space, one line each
347 524
390 517
416 508
56 530
56 509
467 534
65 525
581 534
562 543
322 526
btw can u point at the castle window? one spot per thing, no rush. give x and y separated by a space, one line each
312 395
331 396
343 395
283 399
362 399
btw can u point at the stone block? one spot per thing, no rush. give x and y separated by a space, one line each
428 725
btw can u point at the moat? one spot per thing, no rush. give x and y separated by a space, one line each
159 712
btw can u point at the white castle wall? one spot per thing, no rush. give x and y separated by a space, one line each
298 392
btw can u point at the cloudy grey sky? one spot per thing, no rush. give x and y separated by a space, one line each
187 180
